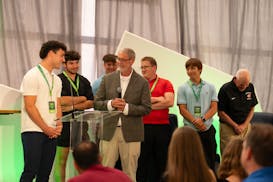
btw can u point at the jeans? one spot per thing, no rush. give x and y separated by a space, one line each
39 154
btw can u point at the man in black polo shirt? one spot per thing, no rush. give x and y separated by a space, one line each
76 96
236 107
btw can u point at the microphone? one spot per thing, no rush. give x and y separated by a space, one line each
119 92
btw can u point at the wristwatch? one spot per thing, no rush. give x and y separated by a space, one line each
203 119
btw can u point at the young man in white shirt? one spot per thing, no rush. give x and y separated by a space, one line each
41 113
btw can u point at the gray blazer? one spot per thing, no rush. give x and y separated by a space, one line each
138 97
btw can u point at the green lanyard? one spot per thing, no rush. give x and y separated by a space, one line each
50 89
76 87
153 87
196 95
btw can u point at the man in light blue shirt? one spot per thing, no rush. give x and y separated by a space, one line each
197 101
110 65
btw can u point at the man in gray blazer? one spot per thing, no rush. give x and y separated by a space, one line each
127 92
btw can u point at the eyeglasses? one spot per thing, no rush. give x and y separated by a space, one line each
145 67
122 59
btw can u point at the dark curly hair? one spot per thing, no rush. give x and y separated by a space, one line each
72 55
51 45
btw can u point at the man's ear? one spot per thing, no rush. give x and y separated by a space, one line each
64 64
50 53
133 60
154 68
248 153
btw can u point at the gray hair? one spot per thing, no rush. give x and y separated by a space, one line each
130 52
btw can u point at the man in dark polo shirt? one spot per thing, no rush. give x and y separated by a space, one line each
236 107
76 96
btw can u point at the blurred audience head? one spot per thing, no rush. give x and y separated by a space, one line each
258 148
186 160
230 163
85 155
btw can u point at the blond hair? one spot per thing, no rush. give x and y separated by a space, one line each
230 164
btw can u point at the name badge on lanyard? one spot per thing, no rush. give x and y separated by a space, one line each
197 109
51 107
51 104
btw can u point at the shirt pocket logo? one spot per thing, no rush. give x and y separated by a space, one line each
248 96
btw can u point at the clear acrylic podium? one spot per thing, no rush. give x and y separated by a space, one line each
86 125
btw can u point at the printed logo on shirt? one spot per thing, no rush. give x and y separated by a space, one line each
248 96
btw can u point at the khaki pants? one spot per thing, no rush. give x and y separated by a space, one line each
227 132
128 151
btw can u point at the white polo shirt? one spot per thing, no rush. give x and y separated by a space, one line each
34 84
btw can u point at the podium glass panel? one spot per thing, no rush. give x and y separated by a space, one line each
86 125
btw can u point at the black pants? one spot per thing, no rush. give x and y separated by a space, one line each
209 146
73 133
39 154
154 150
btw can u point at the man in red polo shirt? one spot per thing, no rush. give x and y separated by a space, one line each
154 149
